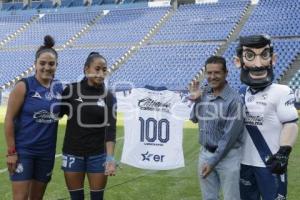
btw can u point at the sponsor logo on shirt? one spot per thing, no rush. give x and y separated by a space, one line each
253 119
261 103
290 102
37 95
101 103
264 96
49 96
152 157
250 99
43 116
79 99
154 105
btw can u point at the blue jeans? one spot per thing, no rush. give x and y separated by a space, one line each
225 176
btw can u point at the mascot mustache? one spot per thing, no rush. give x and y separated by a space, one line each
257 83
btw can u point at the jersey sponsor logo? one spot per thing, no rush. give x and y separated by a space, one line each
43 116
49 96
264 96
37 95
79 99
152 157
250 99
253 119
290 102
154 105
101 103
261 103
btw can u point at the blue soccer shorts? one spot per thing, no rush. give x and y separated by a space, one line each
33 168
89 164
257 182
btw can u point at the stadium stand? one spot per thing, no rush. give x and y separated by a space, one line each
71 61
62 26
175 52
294 81
123 26
212 21
175 65
171 66
275 17
10 23
97 2
279 19
13 63
66 3
13 6
46 5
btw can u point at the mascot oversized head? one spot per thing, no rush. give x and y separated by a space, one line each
256 59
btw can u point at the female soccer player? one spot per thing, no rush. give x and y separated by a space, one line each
91 131
31 126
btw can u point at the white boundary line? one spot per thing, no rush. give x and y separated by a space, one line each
3 170
56 156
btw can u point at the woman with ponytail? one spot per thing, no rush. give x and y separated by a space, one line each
89 142
31 126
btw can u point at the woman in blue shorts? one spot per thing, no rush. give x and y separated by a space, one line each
89 142
31 126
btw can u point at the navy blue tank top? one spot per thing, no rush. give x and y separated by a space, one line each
36 124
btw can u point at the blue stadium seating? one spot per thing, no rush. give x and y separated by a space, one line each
172 57
76 3
274 17
13 63
71 61
54 24
46 5
7 6
172 66
212 21
10 23
66 3
123 26
97 2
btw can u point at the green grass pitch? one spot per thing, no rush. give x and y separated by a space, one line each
136 184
